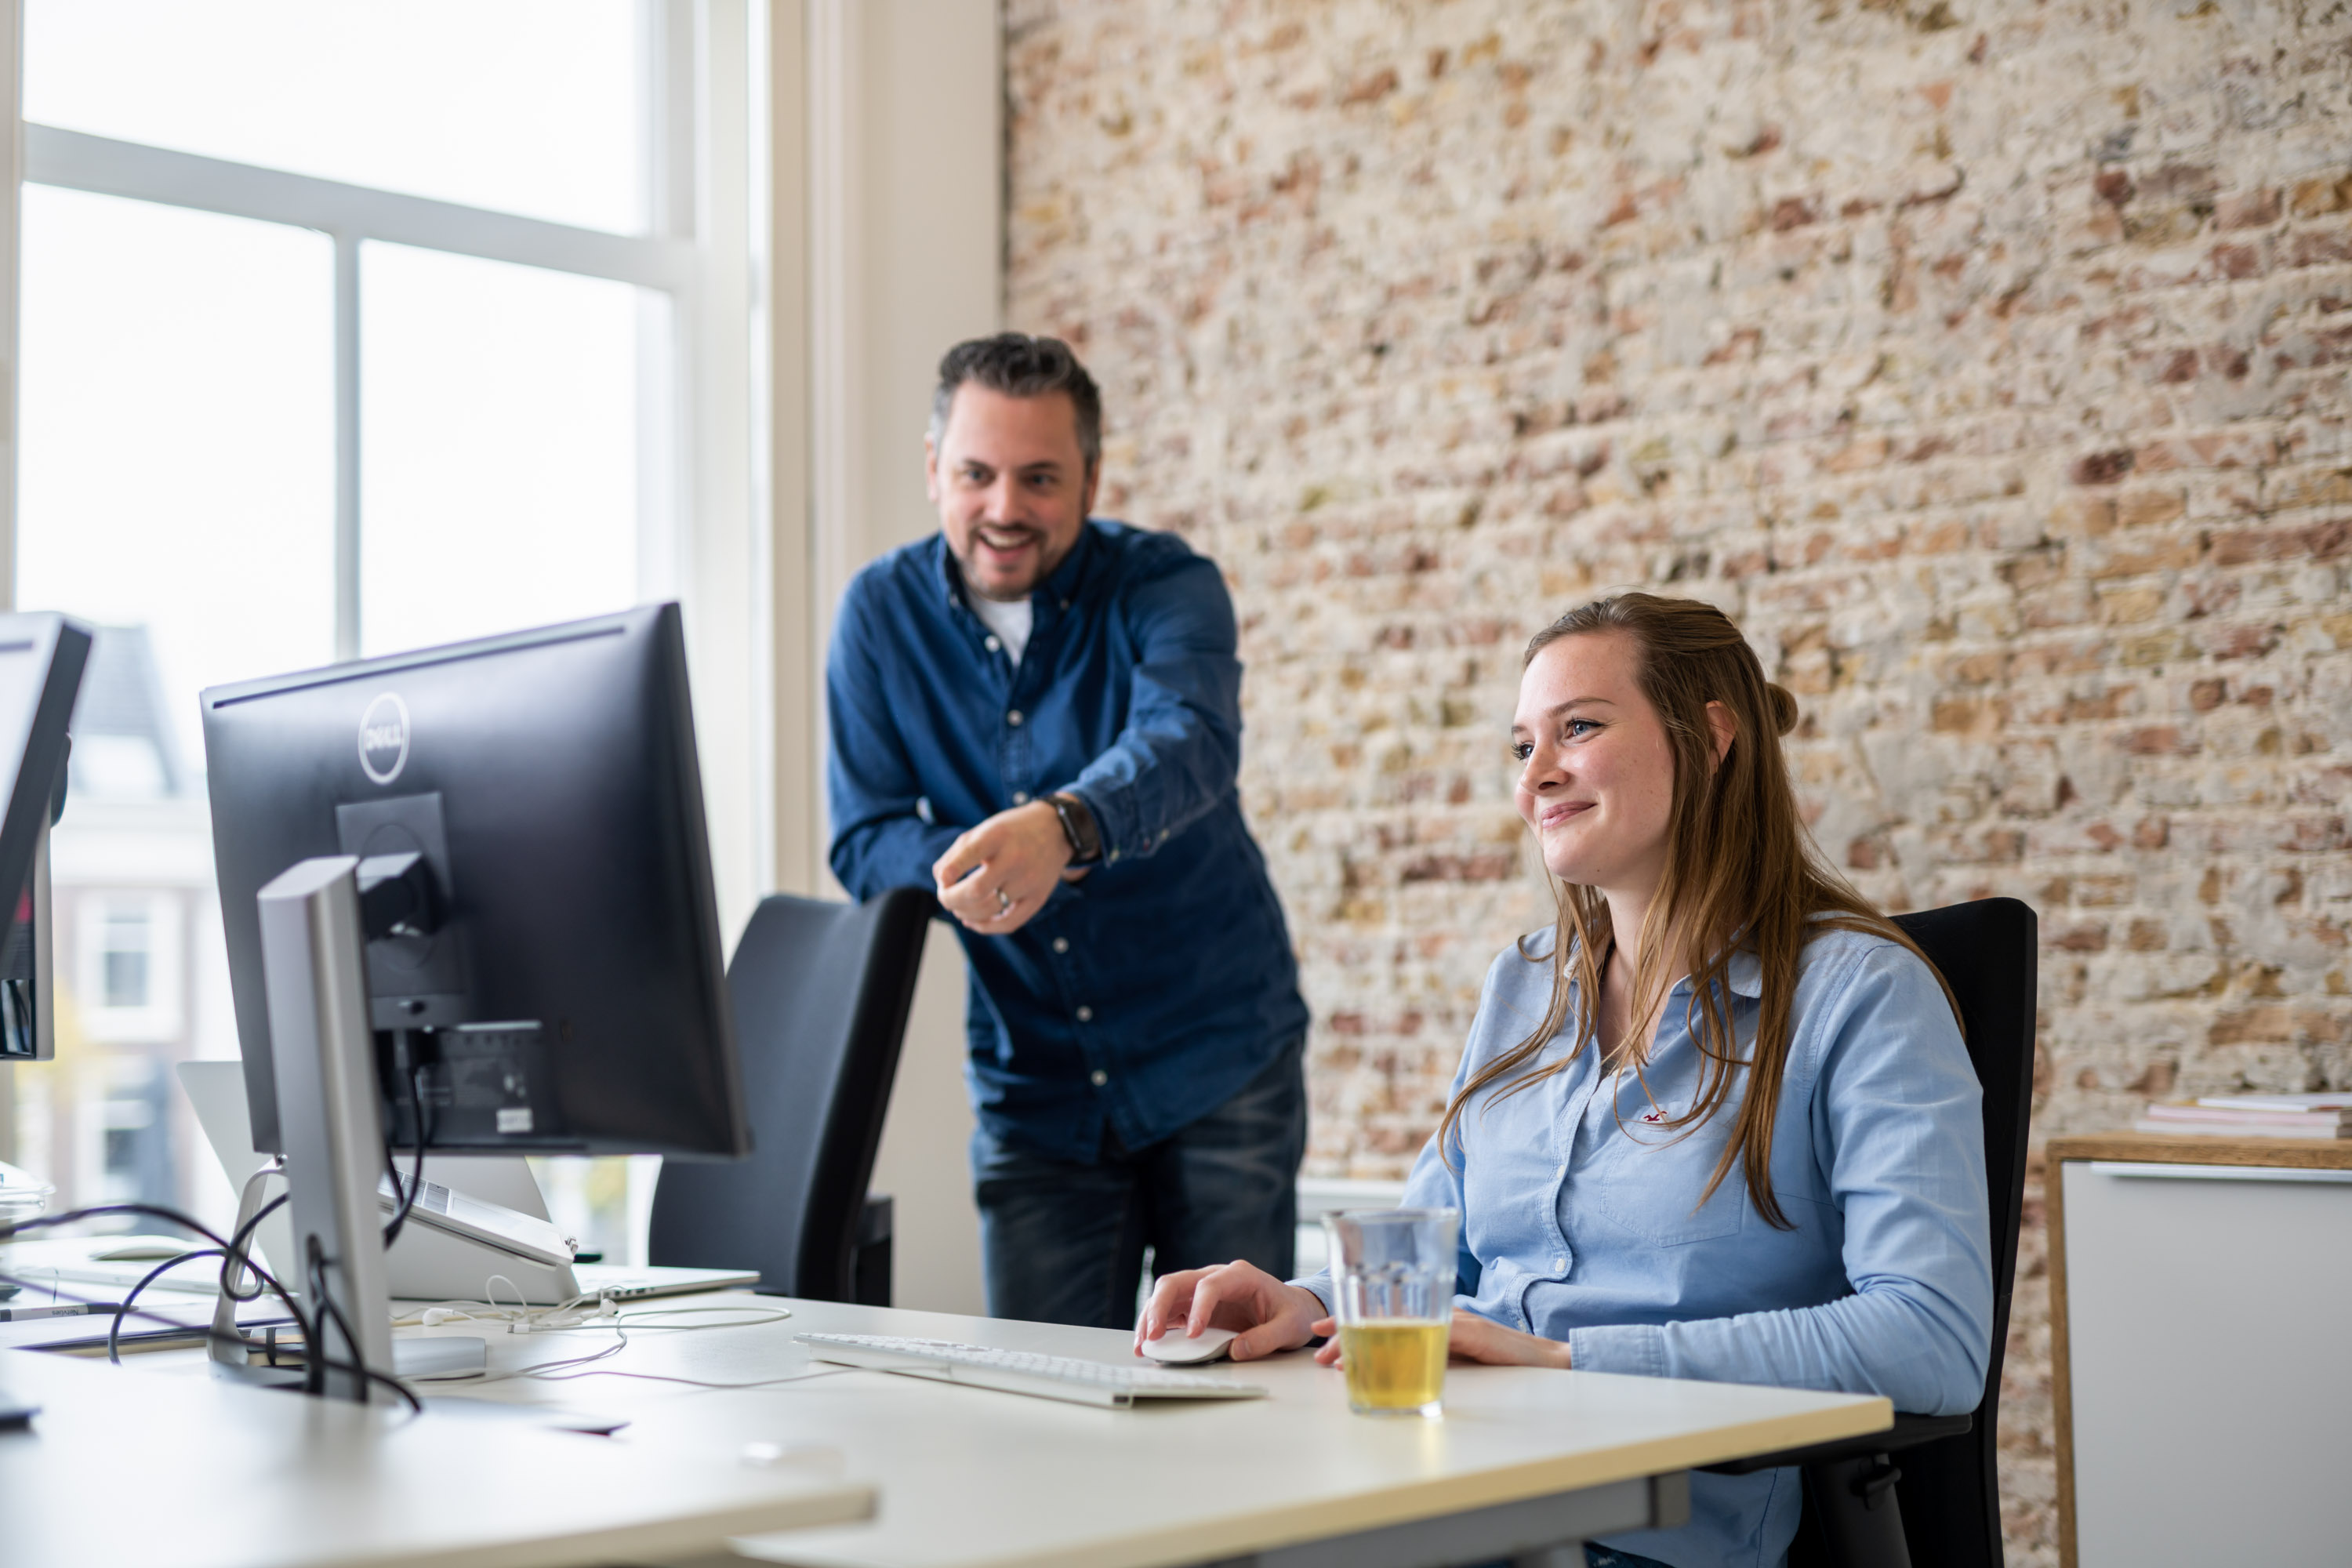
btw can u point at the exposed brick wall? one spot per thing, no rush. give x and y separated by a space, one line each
1986 360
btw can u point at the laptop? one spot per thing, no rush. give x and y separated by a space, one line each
485 1238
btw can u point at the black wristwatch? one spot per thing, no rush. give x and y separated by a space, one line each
1078 827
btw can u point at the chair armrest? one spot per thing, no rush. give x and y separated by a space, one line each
1908 1432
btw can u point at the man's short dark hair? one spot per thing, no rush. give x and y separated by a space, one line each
1019 365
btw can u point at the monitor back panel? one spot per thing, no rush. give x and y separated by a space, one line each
574 988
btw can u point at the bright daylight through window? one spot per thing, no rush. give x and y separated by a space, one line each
347 327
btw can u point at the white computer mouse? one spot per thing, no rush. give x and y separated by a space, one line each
1175 1347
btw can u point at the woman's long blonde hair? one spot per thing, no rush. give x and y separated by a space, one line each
1741 871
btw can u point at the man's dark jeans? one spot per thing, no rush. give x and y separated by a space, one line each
1064 1243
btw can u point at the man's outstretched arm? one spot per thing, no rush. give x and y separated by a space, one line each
1181 748
879 837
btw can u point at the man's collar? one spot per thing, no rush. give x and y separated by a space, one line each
1062 583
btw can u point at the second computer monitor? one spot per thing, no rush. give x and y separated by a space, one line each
563 987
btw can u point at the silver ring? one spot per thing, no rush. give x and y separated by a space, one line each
1004 904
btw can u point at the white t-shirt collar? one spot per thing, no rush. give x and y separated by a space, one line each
1009 619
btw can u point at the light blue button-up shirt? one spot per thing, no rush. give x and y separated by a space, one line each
1581 1219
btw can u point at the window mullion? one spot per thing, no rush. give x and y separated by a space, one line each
347 444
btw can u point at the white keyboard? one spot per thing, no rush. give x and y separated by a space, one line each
1023 1372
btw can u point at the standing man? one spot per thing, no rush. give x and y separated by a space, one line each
1039 715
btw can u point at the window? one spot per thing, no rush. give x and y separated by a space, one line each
126 1154
123 972
347 326
122 959
524 106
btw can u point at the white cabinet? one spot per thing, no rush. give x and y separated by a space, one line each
2202 1344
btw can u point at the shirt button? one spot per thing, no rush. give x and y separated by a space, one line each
1100 1078
1560 1266
1014 717
991 644
1086 1014
1061 945
1020 797
1560 1170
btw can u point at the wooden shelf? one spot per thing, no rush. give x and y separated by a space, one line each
2287 1154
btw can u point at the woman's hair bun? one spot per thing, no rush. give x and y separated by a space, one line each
1784 706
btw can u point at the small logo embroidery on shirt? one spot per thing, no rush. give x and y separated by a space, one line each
1654 1116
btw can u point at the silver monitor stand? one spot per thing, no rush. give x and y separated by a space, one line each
322 1054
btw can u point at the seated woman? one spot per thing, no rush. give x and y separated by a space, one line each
1719 1122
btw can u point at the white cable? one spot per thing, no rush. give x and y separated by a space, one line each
582 1313
521 1317
556 1370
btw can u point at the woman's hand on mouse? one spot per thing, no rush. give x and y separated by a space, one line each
1265 1314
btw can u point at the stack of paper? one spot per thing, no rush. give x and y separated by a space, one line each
2252 1116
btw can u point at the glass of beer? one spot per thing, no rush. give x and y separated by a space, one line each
1393 1276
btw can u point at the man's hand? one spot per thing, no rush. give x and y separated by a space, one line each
1265 1314
999 874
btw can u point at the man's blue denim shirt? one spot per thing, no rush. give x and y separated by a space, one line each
1581 1217
1147 994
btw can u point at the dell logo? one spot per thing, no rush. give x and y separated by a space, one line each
384 738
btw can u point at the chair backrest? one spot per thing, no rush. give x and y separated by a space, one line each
820 992
1987 952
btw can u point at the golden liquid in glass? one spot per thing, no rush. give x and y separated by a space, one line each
1394 1367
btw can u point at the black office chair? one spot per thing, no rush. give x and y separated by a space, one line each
1948 1515
820 992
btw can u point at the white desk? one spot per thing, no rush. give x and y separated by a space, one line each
124 1466
972 1478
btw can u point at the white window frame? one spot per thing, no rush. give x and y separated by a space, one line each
664 258
696 538
351 216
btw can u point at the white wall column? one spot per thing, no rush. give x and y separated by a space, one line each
12 148
890 185
721 566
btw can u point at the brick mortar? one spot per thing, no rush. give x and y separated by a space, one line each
1986 360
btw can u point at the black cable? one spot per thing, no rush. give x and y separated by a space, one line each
315 1352
233 1249
49 1287
239 1258
207 1333
130 1300
235 1257
314 1378
171 1215
314 1334
400 1198
417 1181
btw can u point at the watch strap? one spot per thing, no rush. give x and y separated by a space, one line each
1078 827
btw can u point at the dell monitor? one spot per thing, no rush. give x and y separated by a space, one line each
41 661
42 658
468 906
562 986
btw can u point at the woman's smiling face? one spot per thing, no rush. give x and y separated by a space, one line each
1596 773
